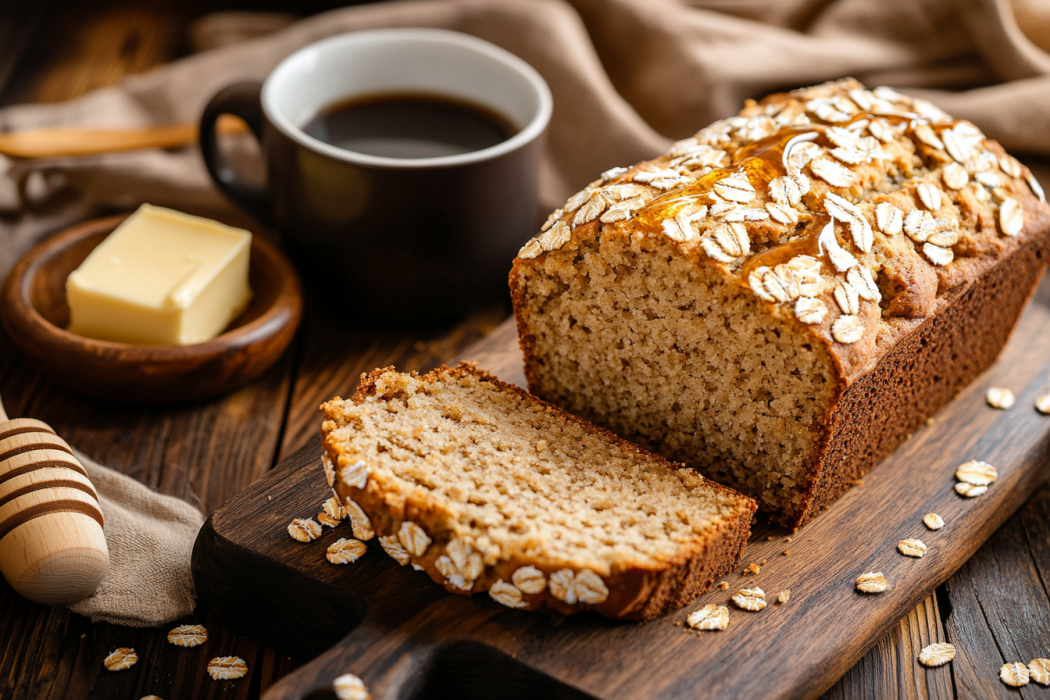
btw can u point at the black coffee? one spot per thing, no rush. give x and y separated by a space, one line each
408 126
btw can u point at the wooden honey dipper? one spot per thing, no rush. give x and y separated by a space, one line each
52 548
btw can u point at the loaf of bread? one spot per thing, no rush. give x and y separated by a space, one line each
489 489
781 299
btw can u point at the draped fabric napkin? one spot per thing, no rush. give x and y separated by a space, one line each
628 76
150 538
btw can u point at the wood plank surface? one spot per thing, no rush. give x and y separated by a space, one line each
400 619
182 450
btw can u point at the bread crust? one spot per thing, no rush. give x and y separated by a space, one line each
639 592
952 320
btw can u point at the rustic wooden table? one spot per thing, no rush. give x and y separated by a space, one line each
995 609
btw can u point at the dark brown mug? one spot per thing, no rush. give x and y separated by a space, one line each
396 238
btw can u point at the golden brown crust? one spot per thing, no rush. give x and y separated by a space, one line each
638 593
953 318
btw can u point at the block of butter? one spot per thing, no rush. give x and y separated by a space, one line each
162 277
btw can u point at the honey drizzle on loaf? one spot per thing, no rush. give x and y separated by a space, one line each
743 191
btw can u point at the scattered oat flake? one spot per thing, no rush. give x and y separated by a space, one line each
938 255
889 219
933 521
1014 674
750 599
832 173
810 310
121 659
227 668
1039 671
344 551
392 546
327 520
188 635
1042 404
753 568
969 490
350 687
530 250
976 473
413 538
926 134
872 582
784 596
912 547
847 329
723 585
936 654
1011 217
929 195
955 176
736 188
304 530
334 509
1000 398
710 617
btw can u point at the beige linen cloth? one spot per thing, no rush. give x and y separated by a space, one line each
627 76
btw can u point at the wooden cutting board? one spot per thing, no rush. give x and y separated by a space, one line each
409 639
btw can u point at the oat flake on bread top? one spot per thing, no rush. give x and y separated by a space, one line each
806 196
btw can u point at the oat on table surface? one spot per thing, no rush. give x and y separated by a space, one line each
1039 671
227 668
872 582
912 547
327 520
345 551
750 599
120 659
933 521
333 509
977 473
1000 398
969 490
304 530
1042 404
784 596
710 617
188 635
1014 674
350 687
936 654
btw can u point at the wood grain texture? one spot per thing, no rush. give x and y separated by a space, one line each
206 452
403 616
35 314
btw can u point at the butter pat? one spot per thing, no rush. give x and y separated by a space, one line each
162 277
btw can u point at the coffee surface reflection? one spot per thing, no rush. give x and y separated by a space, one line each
408 125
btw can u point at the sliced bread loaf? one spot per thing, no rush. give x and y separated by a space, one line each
489 489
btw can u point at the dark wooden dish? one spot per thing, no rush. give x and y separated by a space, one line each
35 313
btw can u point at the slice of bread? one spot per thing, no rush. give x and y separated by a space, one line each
489 489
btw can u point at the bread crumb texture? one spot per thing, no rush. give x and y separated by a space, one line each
489 489
716 304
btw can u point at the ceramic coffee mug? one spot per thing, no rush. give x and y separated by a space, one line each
392 237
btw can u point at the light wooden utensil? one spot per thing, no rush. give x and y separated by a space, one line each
64 141
52 548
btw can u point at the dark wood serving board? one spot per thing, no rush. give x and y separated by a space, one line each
409 639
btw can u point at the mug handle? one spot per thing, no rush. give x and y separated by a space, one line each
242 100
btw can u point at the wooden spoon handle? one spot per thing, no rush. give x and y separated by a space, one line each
63 141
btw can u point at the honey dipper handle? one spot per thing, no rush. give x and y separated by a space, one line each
3 413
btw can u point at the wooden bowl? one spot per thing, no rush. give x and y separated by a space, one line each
35 313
